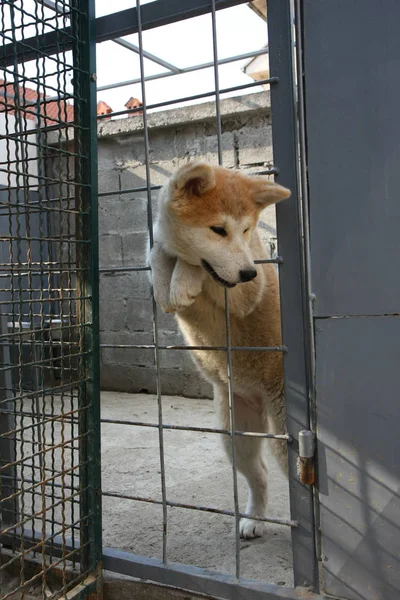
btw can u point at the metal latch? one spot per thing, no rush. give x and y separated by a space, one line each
306 457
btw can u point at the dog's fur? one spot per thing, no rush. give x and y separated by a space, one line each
197 198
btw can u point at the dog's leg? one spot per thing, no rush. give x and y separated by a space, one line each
176 284
276 423
186 285
162 267
250 459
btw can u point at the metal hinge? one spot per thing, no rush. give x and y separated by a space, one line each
306 465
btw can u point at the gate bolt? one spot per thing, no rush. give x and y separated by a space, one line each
306 457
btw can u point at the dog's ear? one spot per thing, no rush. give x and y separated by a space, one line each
195 178
266 192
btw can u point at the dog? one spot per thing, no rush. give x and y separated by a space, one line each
206 239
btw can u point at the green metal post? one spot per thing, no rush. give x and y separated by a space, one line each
87 225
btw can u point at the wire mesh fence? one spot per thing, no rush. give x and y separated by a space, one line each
47 397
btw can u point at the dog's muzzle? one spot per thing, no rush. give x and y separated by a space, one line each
207 267
247 275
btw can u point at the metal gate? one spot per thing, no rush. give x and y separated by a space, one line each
293 282
50 503
347 84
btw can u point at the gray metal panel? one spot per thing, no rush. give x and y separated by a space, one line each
352 66
358 382
292 284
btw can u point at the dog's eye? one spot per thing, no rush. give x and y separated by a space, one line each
219 230
246 230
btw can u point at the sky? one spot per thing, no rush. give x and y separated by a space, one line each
186 43
183 44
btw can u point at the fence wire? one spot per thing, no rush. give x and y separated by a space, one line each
45 408
156 346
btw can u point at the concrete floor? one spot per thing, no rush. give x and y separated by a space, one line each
197 472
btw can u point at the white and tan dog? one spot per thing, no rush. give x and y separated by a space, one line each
205 239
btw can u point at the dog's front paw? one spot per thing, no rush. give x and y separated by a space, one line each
250 528
162 266
163 300
181 296
168 308
186 285
161 296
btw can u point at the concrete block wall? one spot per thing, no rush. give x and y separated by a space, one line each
176 136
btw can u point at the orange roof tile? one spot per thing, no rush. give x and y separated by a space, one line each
104 109
53 111
134 103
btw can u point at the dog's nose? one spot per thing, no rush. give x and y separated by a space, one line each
247 274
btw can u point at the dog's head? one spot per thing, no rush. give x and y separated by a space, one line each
213 213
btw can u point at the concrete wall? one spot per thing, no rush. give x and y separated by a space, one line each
176 136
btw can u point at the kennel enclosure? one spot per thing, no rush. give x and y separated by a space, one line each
335 145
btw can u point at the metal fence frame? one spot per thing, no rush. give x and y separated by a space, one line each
84 418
